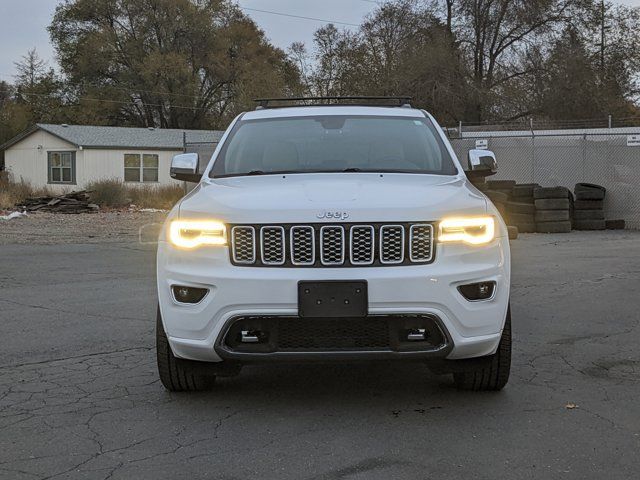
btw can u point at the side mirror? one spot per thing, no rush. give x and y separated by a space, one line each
482 163
185 167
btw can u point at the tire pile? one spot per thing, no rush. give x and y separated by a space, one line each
515 202
528 207
521 208
499 192
589 207
553 209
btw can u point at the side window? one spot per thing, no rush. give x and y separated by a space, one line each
61 167
140 168
131 167
149 167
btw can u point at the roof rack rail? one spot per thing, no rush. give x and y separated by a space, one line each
360 101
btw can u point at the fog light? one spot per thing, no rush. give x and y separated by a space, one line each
477 291
191 295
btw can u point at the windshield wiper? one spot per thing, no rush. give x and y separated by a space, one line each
352 170
255 172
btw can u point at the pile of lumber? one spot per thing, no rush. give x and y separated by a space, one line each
74 202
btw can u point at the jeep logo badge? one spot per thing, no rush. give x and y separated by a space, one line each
333 215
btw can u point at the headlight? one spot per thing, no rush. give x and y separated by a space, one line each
474 231
192 234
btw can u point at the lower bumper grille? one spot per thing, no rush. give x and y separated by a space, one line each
296 336
312 334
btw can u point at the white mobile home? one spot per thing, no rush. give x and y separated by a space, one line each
72 156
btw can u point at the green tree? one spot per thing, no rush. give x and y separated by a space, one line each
39 90
571 85
166 63
402 49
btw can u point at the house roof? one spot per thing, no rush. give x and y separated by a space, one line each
87 136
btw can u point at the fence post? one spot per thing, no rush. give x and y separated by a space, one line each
584 158
184 150
610 122
533 152
460 129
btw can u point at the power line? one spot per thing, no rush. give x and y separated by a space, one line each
299 16
102 100
131 91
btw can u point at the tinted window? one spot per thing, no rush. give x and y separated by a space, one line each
334 144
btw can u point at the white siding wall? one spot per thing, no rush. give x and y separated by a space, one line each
109 164
25 161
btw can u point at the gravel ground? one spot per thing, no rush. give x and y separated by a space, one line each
103 227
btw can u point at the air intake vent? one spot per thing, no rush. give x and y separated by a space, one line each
243 244
332 245
421 239
392 244
362 245
303 245
272 245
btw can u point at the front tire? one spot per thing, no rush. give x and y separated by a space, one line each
488 373
177 375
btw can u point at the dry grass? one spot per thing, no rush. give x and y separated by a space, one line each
15 192
106 193
114 193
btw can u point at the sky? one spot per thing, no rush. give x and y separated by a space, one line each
23 23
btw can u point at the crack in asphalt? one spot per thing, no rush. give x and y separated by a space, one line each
59 310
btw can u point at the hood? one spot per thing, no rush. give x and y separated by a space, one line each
354 197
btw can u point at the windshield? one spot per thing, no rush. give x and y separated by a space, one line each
333 144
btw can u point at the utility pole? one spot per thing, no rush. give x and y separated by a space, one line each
602 34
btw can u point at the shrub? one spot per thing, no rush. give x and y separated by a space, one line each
114 193
109 193
163 197
12 193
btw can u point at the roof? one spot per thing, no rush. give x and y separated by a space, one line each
87 136
384 111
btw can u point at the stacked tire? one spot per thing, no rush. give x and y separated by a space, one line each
552 209
521 207
589 207
499 192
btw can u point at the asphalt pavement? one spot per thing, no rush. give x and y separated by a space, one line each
80 396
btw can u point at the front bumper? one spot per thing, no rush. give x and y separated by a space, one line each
473 328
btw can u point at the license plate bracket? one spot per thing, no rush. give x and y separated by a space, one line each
333 298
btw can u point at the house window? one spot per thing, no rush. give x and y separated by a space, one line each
140 168
61 167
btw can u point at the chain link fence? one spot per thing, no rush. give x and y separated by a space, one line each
550 159
203 149
564 159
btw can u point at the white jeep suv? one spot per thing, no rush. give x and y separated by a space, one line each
333 233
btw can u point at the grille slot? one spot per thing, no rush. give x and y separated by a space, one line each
303 245
362 245
391 244
332 245
272 245
243 244
342 245
420 241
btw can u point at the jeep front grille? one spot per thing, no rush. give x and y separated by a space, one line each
320 245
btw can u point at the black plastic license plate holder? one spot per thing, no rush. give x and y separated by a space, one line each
333 298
